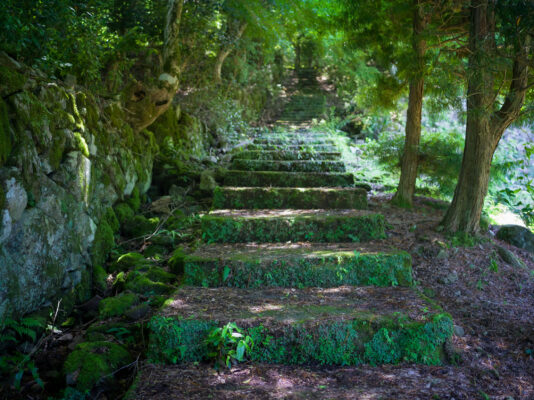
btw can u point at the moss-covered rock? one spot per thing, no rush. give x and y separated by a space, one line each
103 243
117 305
93 362
177 261
100 277
123 212
134 201
139 226
128 261
141 284
5 134
291 198
285 179
295 226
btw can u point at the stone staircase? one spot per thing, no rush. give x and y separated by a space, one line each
307 102
295 259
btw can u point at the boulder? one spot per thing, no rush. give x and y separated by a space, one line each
518 236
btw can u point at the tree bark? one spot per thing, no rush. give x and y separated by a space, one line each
225 52
484 128
410 159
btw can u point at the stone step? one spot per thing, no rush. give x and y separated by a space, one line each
297 265
273 226
333 326
292 147
295 141
289 166
286 155
297 198
285 179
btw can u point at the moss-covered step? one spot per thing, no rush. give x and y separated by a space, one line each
289 166
292 147
296 265
271 198
273 226
345 325
282 155
295 140
285 179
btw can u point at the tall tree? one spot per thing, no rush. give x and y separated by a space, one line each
499 44
406 188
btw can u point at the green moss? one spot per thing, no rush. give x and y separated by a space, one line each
289 166
116 306
347 342
81 144
123 212
286 179
55 155
312 228
141 284
285 155
128 261
93 361
134 201
100 278
139 226
103 243
293 147
155 251
287 270
111 219
177 261
5 134
10 80
292 198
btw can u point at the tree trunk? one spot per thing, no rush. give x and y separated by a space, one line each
484 128
224 53
410 159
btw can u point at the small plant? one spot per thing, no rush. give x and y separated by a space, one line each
228 345
14 363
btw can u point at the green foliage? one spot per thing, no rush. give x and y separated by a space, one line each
178 341
227 345
14 364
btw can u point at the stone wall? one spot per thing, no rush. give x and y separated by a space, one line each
65 158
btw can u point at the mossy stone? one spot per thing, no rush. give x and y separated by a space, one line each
93 361
5 134
155 251
111 219
177 261
128 261
134 201
143 285
139 226
100 277
103 243
117 305
123 212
